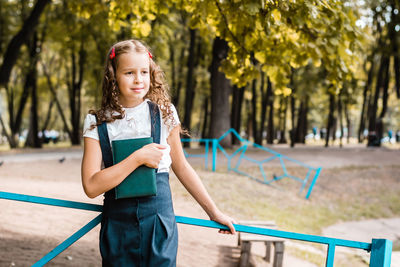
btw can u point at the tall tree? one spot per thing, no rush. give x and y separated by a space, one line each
236 110
14 46
331 117
35 46
220 91
190 90
270 103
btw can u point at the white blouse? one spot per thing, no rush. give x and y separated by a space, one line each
135 124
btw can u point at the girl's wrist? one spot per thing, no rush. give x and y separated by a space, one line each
138 157
214 213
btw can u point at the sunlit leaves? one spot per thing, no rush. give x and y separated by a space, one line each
275 35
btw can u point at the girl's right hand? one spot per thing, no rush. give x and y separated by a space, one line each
151 154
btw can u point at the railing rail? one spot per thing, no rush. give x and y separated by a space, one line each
380 249
216 146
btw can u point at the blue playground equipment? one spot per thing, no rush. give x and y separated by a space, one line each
380 249
240 153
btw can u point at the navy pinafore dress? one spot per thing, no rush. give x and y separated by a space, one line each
138 231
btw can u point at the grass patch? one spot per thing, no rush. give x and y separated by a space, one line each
343 194
309 256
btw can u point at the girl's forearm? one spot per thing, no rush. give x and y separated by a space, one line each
110 177
191 181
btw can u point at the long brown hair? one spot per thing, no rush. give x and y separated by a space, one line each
158 91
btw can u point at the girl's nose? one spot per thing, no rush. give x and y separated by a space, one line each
138 78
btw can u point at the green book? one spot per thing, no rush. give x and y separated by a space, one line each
142 181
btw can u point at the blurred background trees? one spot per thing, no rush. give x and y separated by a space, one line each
276 71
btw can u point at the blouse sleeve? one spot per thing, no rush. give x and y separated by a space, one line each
168 123
175 114
87 132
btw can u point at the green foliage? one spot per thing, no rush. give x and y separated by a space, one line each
316 43
278 35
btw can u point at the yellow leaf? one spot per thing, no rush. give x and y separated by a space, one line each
276 15
145 29
294 64
317 63
260 56
287 91
247 61
259 26
151 16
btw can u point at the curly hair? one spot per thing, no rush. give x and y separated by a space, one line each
158 91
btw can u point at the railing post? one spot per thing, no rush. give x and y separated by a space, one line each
214 154
68 242
207 143
330 256
381 252
313 183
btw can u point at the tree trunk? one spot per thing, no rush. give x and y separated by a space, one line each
10 140
397 74
236 113
334 129
282 127
24 34
264 103
348 122
249 127
366 94
256 136
305 121
58 105
299 133
373 139
293 116
74 88
189 95
384 101
385 88
205 119
330 118
302 123
340 115
220 91
48 116
32 138
395 17
280 118
173 68
176 96
12 137
270 127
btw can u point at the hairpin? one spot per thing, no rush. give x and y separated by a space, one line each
112 54
150 55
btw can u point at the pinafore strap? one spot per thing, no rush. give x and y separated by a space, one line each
105 140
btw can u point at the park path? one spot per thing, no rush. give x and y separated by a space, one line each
197 247
365 230
29 231
315 156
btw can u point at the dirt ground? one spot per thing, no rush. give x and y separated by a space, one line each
29 231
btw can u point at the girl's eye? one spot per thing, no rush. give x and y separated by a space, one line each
130 72
145 71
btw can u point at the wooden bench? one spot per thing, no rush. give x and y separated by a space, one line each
245 241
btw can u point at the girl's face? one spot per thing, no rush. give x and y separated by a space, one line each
133 78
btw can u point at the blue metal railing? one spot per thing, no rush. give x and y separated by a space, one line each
380 249
206 149
215 146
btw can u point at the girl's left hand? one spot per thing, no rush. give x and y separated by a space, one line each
225 220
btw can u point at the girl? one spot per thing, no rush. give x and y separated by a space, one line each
138 231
